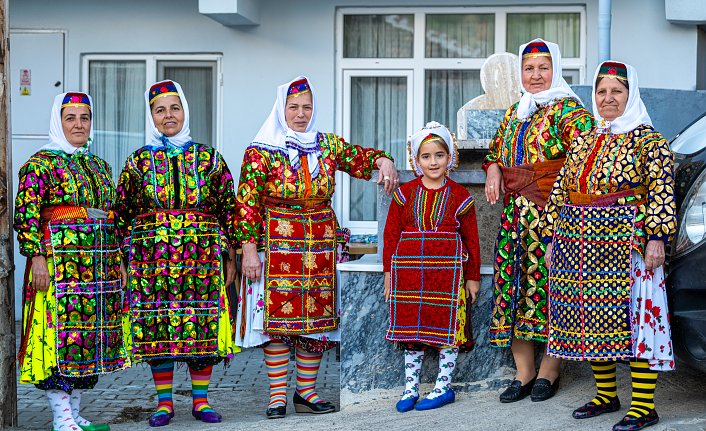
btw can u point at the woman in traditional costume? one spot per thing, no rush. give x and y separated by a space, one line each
176 201
611 213
289 299
432 265
72 300
525 156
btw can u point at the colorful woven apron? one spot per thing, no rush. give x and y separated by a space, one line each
88 291
590 283
175 281
300 270
426 281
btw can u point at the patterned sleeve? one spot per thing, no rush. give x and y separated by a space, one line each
496 144
661 217
250 195
357 161
224 189
393 228
466 216
126 205
573 120
555 202
33 184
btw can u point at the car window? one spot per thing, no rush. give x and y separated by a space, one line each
692 140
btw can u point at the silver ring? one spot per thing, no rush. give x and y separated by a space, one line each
386 178
492 187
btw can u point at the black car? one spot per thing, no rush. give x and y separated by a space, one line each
686 280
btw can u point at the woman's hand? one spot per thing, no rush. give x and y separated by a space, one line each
230 267
40 273
654 254
494 183
387 174
251 266
386 283
123 275
472 290
548 256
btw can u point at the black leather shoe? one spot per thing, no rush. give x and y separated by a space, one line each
592 409
543 390
516 391
276 412
633 424
303 406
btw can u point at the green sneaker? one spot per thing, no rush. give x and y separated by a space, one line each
95 427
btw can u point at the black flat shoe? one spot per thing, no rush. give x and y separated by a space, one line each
543 390
303 406
633 424
276 412
516 391
592 409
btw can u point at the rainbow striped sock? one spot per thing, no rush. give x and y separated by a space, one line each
307 371
163 375
276 361
199 388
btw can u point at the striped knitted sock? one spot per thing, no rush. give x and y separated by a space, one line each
644 382
276 361
307 370
163 375
606 386
199 388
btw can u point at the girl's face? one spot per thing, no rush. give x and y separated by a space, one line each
433 158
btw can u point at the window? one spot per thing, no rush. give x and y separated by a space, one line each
118 83
402 67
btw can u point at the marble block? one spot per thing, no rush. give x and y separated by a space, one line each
370 362
481 126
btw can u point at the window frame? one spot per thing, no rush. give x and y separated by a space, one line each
152 71
418 65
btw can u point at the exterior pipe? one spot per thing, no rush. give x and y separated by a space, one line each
604 24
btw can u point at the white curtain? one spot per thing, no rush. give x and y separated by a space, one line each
446 91
459 36
197 83
561 28
117 89
378 36
378 120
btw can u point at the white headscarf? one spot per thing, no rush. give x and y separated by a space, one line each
559 89
182 139
57 139
432 128
274 132
635 112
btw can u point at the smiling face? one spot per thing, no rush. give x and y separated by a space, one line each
168 115
537 73
433 158
298 110
611 98
76 123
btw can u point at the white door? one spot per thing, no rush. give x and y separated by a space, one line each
36 76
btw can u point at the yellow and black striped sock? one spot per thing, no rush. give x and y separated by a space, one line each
644 381
606 387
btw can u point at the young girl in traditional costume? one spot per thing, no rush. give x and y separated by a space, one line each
432 265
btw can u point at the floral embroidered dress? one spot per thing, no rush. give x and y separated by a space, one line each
286 210
70 333
529 153
176 219
431 250
630 173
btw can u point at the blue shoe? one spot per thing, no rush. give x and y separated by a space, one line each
406 404
446 398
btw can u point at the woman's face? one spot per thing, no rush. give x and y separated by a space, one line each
298 111
611 98
168 115
76 122
537 74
